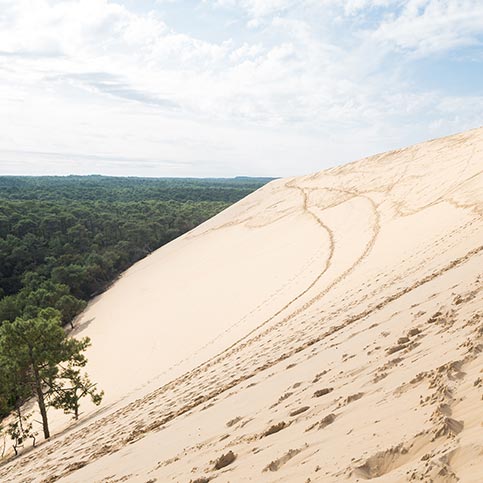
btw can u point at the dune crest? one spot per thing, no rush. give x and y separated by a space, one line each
327 327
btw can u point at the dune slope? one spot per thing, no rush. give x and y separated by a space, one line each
325 328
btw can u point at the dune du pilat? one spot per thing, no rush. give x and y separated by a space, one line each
324 328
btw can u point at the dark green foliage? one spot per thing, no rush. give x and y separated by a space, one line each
112 189
69 307
71 386
20 429
65 239
86 251
31 354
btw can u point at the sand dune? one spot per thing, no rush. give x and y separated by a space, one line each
325 328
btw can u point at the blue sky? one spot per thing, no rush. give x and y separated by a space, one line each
231 87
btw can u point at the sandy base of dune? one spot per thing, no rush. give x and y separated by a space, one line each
325 328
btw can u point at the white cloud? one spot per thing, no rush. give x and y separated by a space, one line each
94 78
260 8
354 7
425 27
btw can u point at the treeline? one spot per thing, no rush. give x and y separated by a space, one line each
65 239
103 188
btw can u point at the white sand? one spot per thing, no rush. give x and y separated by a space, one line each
309 283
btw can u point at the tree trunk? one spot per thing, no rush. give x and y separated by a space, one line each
41 401
19 416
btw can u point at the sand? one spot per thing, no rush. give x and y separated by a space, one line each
325 328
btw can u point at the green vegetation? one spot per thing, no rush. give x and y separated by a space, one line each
31 355
62 241
65 239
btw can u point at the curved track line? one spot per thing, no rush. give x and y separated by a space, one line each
291 185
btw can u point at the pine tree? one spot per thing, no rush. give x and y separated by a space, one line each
70 387
36 347
21 429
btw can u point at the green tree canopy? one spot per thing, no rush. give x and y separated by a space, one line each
35 348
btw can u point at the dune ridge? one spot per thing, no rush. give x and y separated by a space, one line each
327 327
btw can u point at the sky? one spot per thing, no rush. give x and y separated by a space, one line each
231 87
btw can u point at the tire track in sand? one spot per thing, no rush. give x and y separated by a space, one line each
337 280
237 345
291 185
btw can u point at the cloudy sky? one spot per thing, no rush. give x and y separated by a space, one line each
231 87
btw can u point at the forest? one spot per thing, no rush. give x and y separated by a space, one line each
64 240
